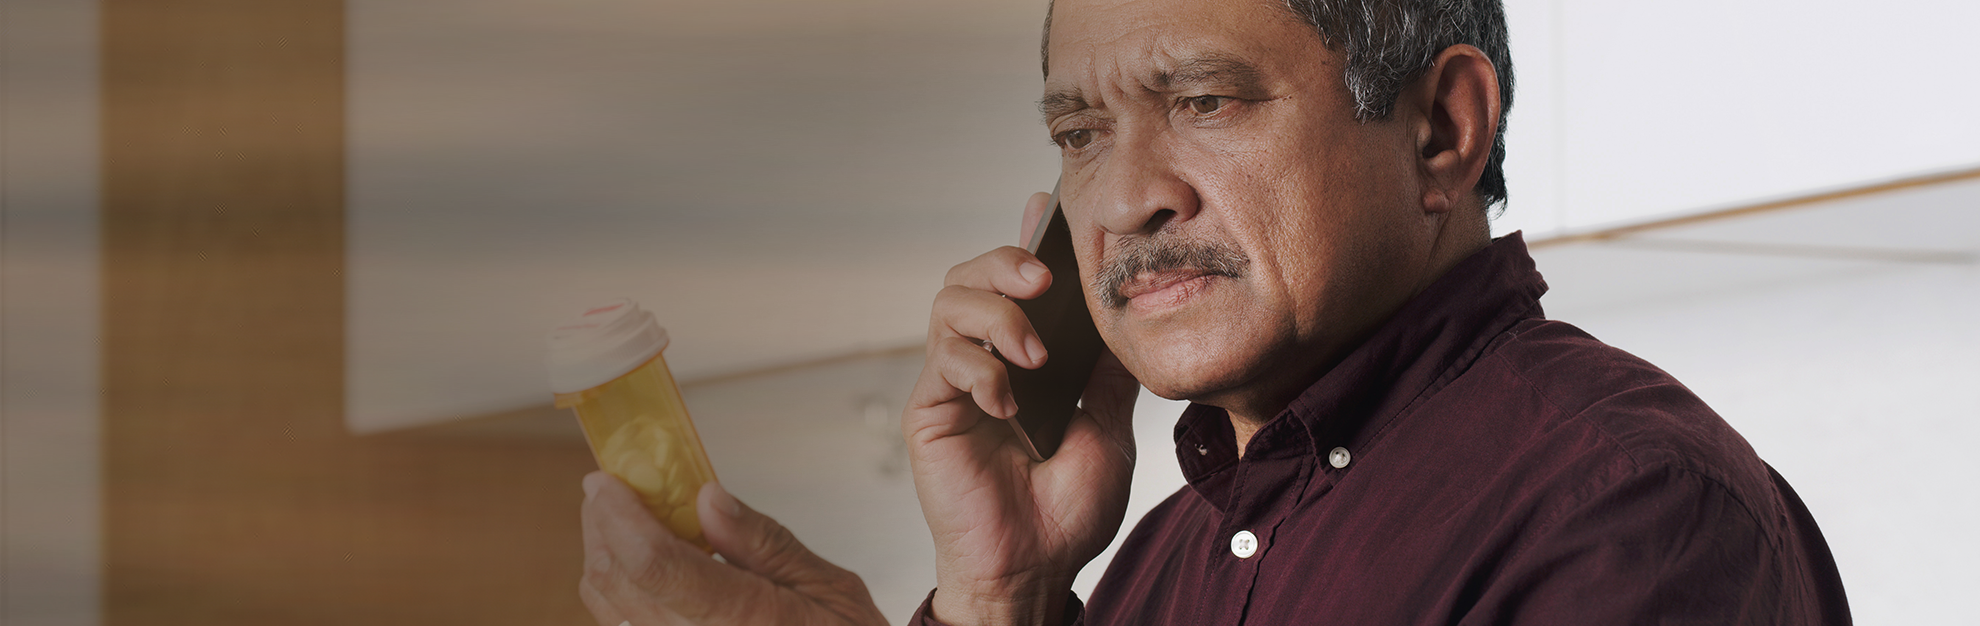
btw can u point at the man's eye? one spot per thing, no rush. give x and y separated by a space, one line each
1075 139
1205 105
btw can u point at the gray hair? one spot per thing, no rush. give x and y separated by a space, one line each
1391 43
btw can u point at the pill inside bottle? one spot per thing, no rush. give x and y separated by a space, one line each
608 365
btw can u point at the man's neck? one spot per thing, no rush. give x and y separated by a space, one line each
1251 412
1245 428
1453 244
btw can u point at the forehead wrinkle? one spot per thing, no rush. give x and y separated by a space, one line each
1207 69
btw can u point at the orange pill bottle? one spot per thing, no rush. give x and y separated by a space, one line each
607 365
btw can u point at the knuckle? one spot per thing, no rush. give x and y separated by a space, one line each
952 305
962 361
780 549
650 575
848 584
985 377
643 565
968 368
999 259
968 271
953 352
949 297
772 541
1011 321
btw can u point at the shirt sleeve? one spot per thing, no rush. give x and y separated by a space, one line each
1664 545
925 616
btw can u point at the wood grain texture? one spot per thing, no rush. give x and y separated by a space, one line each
233 494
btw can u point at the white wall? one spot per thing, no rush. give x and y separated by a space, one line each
1627 110
49 546
777 180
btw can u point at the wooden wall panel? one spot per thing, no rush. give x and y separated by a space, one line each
232 493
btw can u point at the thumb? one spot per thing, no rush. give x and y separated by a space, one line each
755 542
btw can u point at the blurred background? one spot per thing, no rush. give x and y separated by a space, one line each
276 274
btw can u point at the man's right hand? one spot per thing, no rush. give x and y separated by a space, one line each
1010 533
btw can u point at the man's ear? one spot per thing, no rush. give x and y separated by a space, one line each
1455 114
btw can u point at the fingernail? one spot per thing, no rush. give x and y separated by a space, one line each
1031 271
592 483
1010 405
725 504
1035 348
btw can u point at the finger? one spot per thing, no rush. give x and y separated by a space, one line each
623 604
631 608
596 561
600 607
752 540
975 314
593 482
956 368
1034 212
649 575
756 542
1008 270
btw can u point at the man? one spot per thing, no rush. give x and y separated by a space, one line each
1385 429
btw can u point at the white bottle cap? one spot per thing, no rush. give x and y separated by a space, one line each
604 343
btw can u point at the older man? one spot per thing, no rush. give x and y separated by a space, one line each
1385 428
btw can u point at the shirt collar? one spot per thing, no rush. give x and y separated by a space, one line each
1428 342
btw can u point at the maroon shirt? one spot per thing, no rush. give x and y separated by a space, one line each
1475 463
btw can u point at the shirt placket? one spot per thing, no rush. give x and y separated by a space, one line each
1263 494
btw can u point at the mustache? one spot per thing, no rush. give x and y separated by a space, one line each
1160 253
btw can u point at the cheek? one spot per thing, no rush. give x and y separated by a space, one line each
1088 241
1211 350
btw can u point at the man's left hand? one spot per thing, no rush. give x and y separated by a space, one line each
637 572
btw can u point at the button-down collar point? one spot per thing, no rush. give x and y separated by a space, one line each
1339 458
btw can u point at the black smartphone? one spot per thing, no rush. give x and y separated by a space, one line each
1048 396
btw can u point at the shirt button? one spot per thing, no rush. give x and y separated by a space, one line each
1339 458
1244 544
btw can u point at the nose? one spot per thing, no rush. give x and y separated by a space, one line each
1142 188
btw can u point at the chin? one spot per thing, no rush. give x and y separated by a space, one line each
1195 370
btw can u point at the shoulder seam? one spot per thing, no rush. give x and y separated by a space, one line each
1637 465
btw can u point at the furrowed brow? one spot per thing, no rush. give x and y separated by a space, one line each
1220 71
1217 71
1059 103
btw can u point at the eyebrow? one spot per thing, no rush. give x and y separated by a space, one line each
1059 103
1212 69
